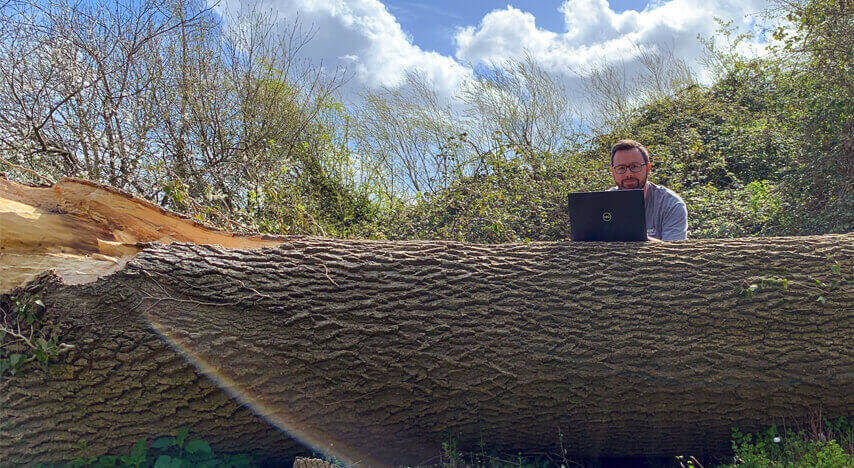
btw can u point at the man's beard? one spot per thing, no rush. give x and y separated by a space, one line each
629 184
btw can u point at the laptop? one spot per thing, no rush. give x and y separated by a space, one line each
611 216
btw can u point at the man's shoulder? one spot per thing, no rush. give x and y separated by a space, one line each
667 195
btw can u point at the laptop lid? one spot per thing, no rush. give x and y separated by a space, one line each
614 215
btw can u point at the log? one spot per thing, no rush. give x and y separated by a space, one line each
377 351
121 382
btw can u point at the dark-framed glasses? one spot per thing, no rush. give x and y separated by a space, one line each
634 167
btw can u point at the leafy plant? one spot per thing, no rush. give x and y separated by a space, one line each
174 451
829 444
764 284
25 337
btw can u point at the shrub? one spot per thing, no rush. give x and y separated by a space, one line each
830 445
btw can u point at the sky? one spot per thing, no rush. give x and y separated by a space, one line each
432 25
379 41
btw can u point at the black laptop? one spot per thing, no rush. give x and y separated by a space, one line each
615 215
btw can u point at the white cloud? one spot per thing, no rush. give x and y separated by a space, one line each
595 33
591 21
365 37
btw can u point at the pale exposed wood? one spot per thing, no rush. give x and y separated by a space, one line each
85 230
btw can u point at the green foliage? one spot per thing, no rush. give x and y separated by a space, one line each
764 284
508 201
752 210
175 451
831 445
756 153
817 93
26 338
820 289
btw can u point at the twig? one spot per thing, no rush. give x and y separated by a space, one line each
29 341
259 293
231 222
169 297
22 168
314 221
326 272
18 335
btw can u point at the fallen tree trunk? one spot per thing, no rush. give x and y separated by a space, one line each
380 351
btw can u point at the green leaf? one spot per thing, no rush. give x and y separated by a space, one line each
165 461
239 461
39 303
139 451
15 359
107 460
181 436
209 464
821 299
164 442
198 446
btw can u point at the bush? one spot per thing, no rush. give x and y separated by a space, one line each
830 446
751 210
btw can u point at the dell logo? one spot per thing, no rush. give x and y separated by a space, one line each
606 216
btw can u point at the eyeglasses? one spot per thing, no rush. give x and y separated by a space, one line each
634 167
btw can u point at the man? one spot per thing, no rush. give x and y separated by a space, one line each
666 214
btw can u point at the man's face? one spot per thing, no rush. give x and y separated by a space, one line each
624 159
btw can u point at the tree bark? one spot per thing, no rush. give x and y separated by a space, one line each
377 352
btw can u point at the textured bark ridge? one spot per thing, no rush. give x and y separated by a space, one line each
376 352
120 383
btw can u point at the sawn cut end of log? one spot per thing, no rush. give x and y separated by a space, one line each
377 352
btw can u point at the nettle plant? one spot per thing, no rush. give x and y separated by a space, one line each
26 339
175 451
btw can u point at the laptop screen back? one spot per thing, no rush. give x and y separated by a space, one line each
616 215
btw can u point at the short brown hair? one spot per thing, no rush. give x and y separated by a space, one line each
629 144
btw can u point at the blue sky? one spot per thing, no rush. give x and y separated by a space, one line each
432 24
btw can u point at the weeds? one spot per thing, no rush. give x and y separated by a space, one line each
25 337
454 457
828 444
820 289
176 451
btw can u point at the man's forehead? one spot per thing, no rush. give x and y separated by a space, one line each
628 156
